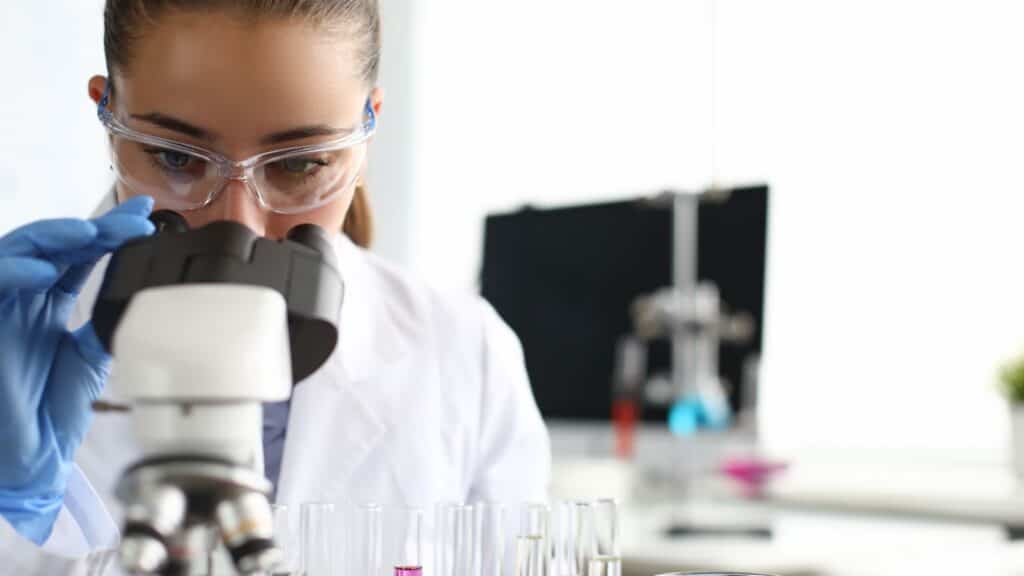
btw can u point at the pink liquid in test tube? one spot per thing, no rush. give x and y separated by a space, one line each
409 563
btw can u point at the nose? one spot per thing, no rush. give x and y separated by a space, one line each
235 202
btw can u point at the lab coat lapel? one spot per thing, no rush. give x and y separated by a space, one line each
341 413
331 430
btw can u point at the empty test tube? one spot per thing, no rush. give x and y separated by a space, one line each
366 540
317 535
607 559
489 545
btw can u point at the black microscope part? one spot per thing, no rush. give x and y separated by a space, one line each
301 268
168 221
310 236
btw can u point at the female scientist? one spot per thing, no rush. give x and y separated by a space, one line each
426 398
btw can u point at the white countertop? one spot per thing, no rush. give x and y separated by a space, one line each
835 513
840 518
647 550
962 493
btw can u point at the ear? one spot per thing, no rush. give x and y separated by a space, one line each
97 86
377 100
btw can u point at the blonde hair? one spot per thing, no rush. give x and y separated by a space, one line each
358 224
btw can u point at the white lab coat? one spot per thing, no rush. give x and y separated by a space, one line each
426 399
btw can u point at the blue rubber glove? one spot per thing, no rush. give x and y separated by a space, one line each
50 376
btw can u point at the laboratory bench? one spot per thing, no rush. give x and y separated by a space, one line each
833 516
983 494
806 537
725 541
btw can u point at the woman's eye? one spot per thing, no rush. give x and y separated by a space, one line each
175 160
172 160
301 165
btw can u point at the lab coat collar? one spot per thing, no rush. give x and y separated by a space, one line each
343 411
369 339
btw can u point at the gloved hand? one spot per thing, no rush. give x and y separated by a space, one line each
50 376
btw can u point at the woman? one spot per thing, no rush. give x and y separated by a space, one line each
426 398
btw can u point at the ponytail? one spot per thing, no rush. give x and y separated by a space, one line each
358 224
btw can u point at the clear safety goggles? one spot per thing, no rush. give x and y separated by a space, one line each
185 177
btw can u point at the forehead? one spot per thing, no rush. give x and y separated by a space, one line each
242 77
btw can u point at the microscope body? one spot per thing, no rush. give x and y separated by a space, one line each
205 326
195 362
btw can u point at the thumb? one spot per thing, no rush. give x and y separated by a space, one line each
80 371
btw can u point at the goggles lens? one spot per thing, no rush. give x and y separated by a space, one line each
185 177
187 180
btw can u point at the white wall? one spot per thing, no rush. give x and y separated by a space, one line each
391 174
53 156
547 103
891 132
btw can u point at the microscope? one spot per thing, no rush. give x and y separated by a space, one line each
204 326
695 317
691 315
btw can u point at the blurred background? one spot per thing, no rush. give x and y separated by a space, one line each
882 141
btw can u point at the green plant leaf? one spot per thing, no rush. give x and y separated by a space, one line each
1011 376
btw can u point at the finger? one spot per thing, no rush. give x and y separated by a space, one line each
79 373
91 351
18 273
116 229
72 281
136 206
126 221
47 238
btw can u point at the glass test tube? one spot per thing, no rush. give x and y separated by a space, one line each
441 565
530 553
605 558
489 546
410 540
535 524
534 519
583 543
453 544
286 538
317 534
461 529
365 540
562 539
606 527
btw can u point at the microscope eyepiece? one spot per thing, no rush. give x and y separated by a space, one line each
168 221
310 236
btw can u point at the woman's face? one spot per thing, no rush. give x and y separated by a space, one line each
229 84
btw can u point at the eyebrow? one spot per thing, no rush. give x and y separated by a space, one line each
303 132
176 125
193 131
